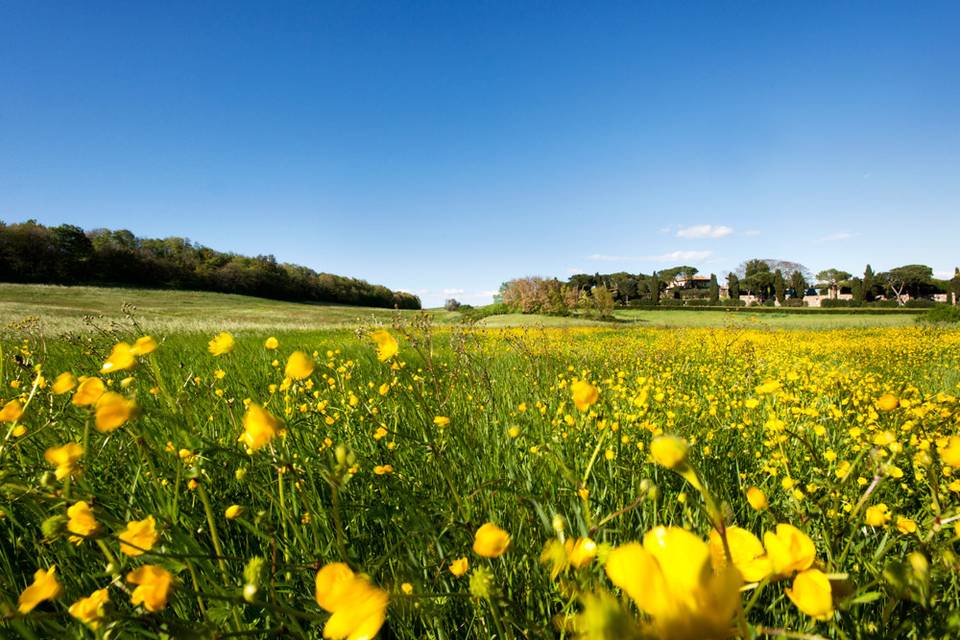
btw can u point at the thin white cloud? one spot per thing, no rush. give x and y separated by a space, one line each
704 231
839 236
573 270
666 257
453 292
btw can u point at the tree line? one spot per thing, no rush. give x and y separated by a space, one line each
765 279
66 254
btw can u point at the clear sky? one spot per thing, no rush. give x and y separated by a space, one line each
444 147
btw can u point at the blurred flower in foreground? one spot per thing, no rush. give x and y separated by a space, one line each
669 451
359 608
670 578
221 344
584 394
139 536
64 382
491 541
153 586
757 499
459 566
44 587
387 345
64 458
299 366
112 411
81 522
259 428
89 610
812 594
11 411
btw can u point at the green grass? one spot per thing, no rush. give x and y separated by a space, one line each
63 309
67 309
517 452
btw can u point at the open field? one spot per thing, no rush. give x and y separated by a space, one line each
63 309
392 455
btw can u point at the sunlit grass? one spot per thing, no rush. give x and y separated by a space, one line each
391 463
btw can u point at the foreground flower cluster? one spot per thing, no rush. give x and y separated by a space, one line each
603 484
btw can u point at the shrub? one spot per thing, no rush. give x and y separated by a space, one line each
943 313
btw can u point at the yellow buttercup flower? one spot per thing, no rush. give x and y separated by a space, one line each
64 458
11 411
441 421
153 586
887 402
877 515
44 587
90 610
233 512
670 578
812 594
950 454
80 522
407 588
770 386
299 366
359 608
271 343
259 428
459 566
669 451
580 551
906 525
491 541
88 392
757 499
387 345
139 536
144 346
789 549
746 550
112 411
221 344
121 358
584 394
63 383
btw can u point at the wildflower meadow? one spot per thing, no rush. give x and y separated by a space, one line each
405 480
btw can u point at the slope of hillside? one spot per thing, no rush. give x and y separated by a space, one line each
62 309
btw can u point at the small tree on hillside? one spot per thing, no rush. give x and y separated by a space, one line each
714 289
779 286
451 305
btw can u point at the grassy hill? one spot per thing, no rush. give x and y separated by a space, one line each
63 310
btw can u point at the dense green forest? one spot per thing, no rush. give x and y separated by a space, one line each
66 254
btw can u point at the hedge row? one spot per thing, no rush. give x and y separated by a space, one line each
879 311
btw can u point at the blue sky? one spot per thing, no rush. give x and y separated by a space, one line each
443 148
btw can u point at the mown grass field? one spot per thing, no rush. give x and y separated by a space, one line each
428 480
65 310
